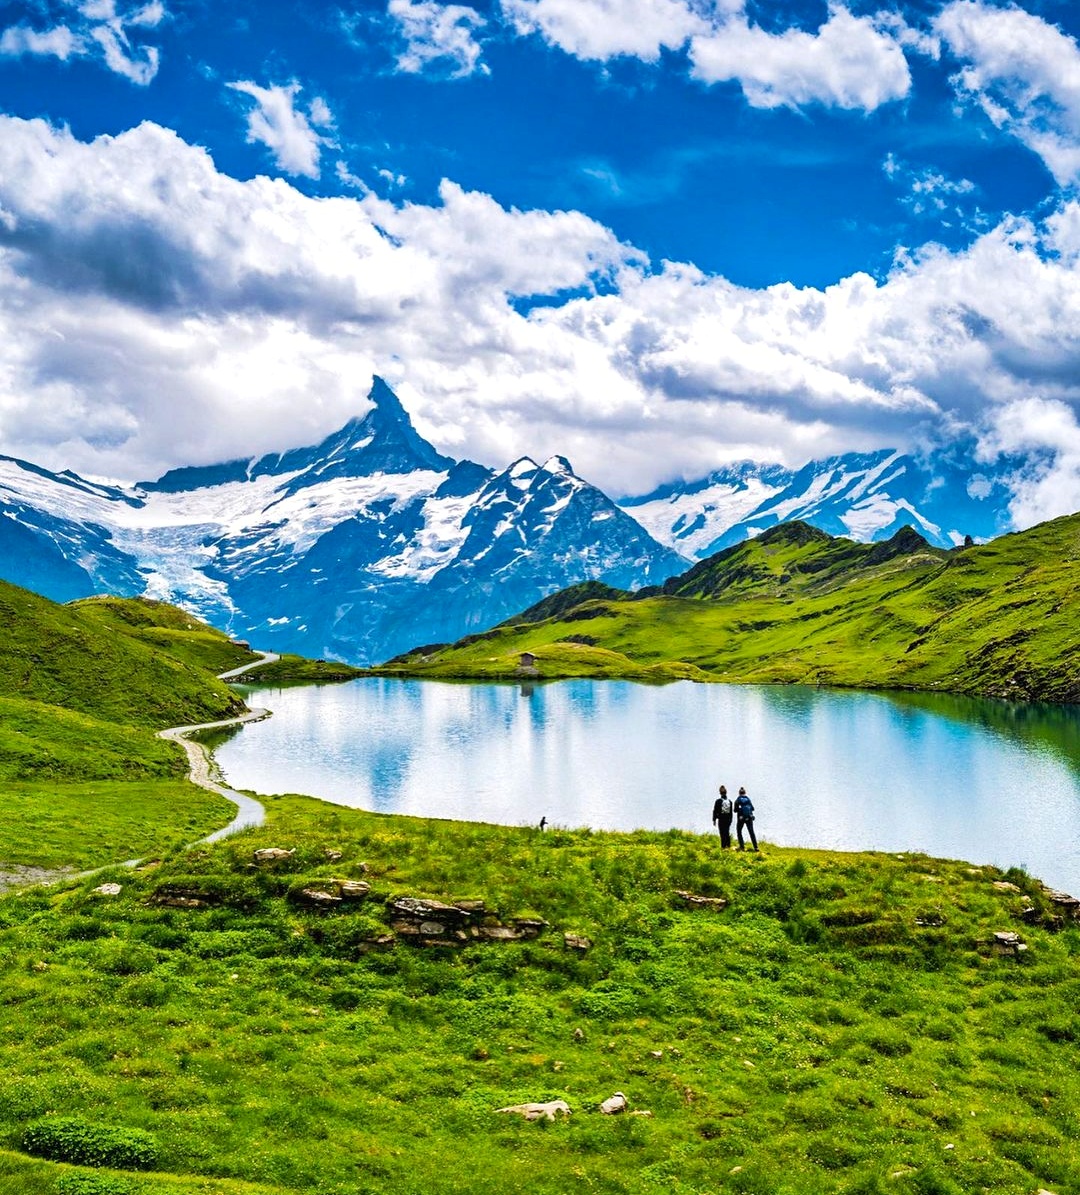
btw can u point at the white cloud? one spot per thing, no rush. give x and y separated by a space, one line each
287 132
438 34
602 29
154 312
57 42
91 29
1025 75
929 192
1047 433
851 62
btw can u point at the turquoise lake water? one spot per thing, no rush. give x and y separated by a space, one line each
984 781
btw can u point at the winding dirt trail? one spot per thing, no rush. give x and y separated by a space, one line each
201 770
201 767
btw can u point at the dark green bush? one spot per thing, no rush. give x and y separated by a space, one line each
67 1139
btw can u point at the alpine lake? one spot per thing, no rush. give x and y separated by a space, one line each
955 777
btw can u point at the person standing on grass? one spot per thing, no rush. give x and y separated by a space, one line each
721 815
744 811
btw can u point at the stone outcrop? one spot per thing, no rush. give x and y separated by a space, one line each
692 901
273 854
433 923
182 896
1009 943
548 1111
577 942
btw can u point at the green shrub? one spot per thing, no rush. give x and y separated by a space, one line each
92 1184
67 1139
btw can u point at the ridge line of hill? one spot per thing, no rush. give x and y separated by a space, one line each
796 605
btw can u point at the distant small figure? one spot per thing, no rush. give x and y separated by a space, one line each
721 815
744 811
543 823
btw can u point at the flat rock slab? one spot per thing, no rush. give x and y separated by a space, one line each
693 901
548 1111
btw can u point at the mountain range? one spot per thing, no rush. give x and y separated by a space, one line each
355 548
864 496
372 541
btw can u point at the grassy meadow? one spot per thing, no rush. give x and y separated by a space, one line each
843 1025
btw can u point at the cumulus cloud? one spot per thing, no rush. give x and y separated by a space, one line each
601 29
171 314
285 130
99 29
850 62
440 35
1025 75
1047 434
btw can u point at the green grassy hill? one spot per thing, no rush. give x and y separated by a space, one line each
796 605
83 688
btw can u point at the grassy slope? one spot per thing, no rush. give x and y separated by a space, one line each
298 670
798 606
83 778
812 1038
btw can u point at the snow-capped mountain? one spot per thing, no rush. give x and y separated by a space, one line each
356 548
866 496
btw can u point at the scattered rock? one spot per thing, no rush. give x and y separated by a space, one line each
107 890
1005 886
1007 942
614 1104
735 1170
656 1054
319 899
352 889
499 933
40 967
579 1034
642 1112
557 1066
333 856
930 920
576 942
1063 902
693 901
529 927
546 1111
178 902
382 942
273 854
178 896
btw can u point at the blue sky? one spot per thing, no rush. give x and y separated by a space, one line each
654 235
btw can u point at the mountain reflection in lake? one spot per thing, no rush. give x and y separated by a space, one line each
979 780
